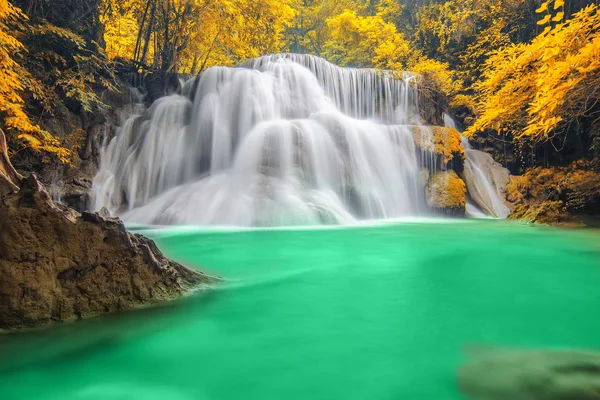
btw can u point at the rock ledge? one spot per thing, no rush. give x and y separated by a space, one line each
57 264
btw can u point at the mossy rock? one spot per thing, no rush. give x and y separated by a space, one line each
556 195
441 141
447 193
547 212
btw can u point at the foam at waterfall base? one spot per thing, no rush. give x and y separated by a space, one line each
284 140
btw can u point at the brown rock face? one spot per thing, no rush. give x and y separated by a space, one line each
57 264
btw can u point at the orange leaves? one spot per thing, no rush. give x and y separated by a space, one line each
14 79
543 7
545 20
546 6
11 104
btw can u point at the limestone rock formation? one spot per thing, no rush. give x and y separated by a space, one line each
57 264
442 144
447 193
500 374
486 182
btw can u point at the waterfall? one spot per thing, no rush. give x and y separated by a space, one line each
280 140
486 181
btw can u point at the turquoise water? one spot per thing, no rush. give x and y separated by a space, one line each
380 312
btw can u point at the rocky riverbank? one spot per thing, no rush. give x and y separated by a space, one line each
57 264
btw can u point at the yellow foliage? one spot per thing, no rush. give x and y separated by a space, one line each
443 141
120 32
532 90
435 76
203 32
551 195
545 212
366 41
309 30
516 187
462 32
12 113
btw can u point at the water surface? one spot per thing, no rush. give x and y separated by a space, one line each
363 313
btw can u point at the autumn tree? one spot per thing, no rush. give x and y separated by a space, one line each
15 79
461 33
535 90
189 36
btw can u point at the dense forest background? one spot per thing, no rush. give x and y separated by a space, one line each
521 76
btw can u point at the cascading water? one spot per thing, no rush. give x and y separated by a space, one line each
284 139
485 180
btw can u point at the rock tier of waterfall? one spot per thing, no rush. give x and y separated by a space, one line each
486 181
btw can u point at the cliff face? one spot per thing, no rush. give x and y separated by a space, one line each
57 264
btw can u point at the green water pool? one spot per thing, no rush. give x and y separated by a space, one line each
365 313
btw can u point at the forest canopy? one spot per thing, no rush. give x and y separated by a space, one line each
526 71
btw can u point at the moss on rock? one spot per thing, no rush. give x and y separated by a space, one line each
547 212
555 195
446 192
441 141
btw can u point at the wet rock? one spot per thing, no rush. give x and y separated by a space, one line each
531 375
440 147
57 264
481 170
447 193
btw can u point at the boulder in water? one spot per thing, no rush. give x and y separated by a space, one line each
500 374
446 192
57 264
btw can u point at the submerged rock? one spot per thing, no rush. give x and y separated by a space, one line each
57 264
531 375
447 193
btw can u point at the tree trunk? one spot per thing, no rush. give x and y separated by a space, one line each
9 177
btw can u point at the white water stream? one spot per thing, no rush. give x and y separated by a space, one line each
282 140
486 181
